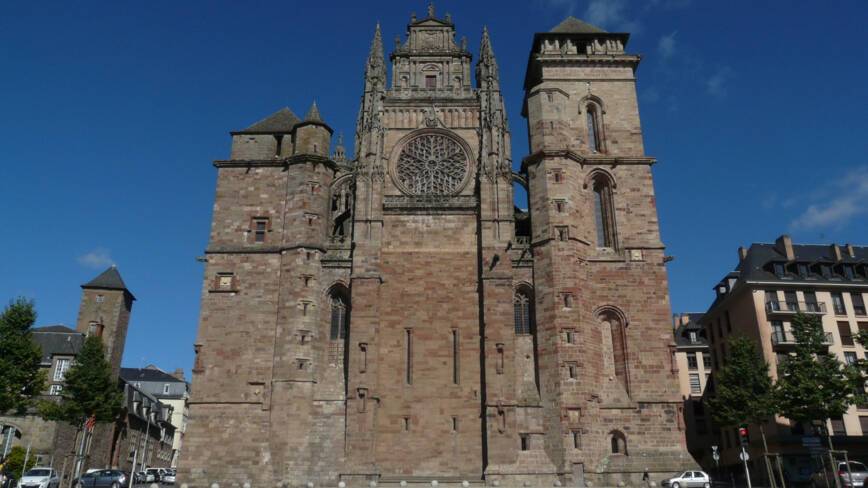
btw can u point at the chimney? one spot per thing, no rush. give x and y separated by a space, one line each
850 250
179 374
836 253
742 254
784 245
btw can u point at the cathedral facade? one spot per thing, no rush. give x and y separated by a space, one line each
395 317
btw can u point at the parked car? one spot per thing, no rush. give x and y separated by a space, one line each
39 478
688 479
104 478
169 477
157 473
143 477
859 471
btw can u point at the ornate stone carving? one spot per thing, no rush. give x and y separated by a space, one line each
431 164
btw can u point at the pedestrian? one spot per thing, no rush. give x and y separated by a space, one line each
646 478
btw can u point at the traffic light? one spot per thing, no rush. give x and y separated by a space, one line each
743 436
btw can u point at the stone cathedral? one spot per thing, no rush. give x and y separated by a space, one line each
395 317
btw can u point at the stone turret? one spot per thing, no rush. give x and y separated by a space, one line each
312 135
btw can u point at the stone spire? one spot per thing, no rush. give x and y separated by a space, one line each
487 75
376 66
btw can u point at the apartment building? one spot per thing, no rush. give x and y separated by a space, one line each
693 359
758 300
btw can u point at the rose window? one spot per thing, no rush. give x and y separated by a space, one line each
431 164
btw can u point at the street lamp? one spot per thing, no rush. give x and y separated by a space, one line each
146 410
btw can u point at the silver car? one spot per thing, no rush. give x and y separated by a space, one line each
859 471
688 479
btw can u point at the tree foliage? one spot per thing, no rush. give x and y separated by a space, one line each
14 464
90 390
21 378
812 384
743 390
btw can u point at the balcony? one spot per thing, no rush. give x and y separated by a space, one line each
792 308
783 340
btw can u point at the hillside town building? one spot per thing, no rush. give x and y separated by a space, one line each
769 286
693 359
394 317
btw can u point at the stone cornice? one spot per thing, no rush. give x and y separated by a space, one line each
276 162
538 156
261 250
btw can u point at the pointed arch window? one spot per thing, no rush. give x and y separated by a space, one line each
523 312
618 442
604 215
595 134
339 316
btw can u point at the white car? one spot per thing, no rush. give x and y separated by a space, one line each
39 478
688 479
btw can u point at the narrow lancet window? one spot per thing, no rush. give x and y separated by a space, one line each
594 140
338 316
604 215
521 303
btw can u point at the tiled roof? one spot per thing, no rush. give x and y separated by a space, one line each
57 340
682 332
109 279
757 264
147 374
281 121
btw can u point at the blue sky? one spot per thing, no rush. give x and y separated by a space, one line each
113 111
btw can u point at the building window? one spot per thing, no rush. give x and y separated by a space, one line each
573 370
838 304
811 304
430 81
826 271
94 329
695 385
225 281
848 271
165 388
595 136
858 303
55 389
838 427
792 301
577 439
694 338
559 206
772 301
863 422
100 298
563 233
604 215
570 336
61 368
405 422
525 442
454 424
780 270
706 360
692 362
618 442
803 269
408 356
259 226
849 358
845 333
339 314
455 351
523 312
559 177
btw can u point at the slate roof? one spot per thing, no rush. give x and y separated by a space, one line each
572 25
57 339
109 279
147 374
757 265
682 332
281 121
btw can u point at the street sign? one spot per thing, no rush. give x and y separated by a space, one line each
744 456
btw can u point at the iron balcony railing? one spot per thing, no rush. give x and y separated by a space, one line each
795 307
786 338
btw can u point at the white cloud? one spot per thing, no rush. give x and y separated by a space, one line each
97 258
845 198
605 12
564 7
716 83
666 46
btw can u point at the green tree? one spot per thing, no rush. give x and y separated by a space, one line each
21 378
90 388
743 392
15 462
812 384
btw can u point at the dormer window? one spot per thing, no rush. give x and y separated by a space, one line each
802 269
779 269
693 337
848 271
826 271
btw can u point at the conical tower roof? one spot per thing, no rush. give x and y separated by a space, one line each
313 114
